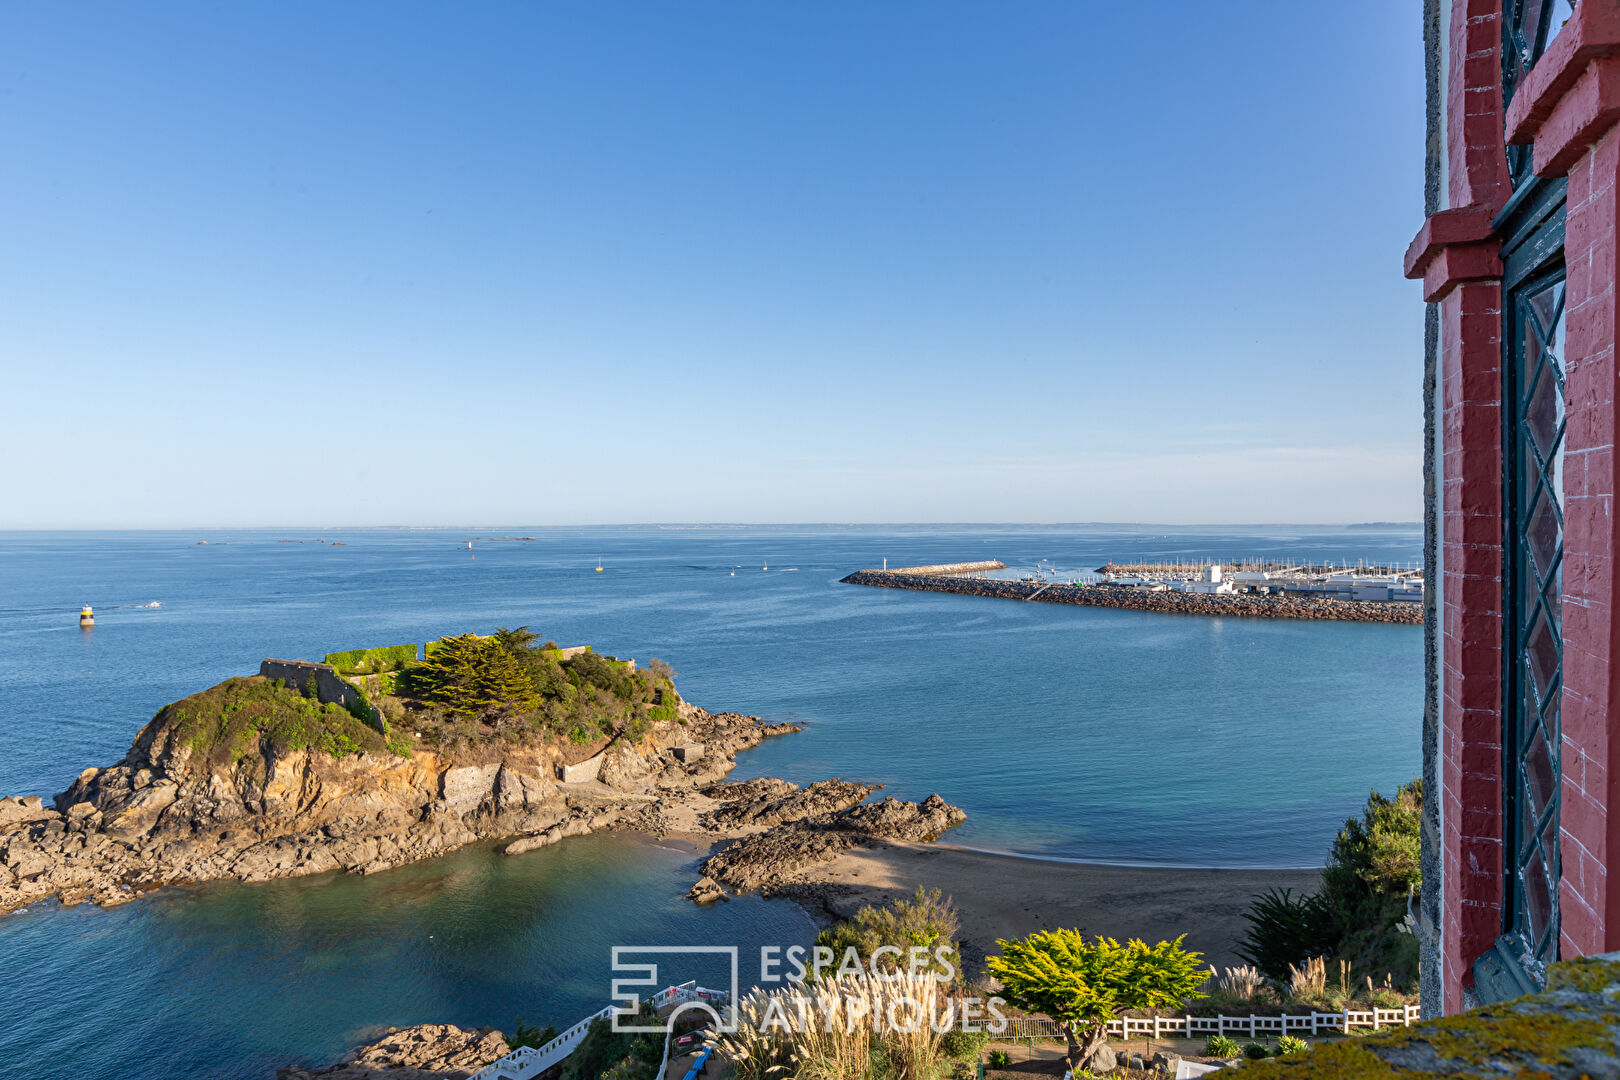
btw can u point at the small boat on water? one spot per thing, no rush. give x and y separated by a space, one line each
599 564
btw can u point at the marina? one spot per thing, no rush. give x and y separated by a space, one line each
1257 589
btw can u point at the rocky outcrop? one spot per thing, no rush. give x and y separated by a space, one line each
770 859
1130 599
795 804
766 787
893 819
706 891
425 1052
169 813
773 858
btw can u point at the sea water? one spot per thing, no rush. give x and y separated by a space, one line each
1069 732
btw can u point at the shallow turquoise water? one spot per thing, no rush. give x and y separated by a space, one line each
234 981
1071 731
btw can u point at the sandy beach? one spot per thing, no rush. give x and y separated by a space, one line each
1002 896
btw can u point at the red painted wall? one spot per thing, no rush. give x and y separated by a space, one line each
1568 107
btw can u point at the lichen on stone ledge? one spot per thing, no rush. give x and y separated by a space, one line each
1570 1030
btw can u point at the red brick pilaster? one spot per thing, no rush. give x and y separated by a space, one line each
1471 637
1457 255
1568 107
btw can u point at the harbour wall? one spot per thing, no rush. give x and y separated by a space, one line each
947 568
1171 603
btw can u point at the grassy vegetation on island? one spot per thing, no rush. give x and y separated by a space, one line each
510 687
245 717
470 691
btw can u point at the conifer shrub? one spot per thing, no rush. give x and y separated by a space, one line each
506 686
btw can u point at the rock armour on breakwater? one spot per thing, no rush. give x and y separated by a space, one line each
947 568
1131 599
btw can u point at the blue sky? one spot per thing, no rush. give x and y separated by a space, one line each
409 263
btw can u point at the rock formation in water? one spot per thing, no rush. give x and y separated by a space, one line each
177 809
424 1052
818 828
187 804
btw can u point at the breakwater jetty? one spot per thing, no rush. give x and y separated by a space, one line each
1131 598
943 569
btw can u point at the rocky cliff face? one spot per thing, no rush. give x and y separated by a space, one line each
170 812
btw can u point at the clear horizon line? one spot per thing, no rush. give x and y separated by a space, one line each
715 525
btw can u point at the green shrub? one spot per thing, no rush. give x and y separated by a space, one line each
524 1035
1219 1046
1370 873
927 919
373 661
1000 1059
245 718
1285 931
604 1050
1255 1051
1383 997
363 710
600 672
1290 1044
509 687
959 1045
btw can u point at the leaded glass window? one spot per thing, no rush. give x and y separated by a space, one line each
1533 424
1528 27
1536 609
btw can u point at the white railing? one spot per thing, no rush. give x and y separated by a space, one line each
1188 1027
530 1061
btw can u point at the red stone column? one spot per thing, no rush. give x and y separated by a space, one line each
1568 106
1457 256
1464 277
1471 641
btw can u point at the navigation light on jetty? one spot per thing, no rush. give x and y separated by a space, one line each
87 617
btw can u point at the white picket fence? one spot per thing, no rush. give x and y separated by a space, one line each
530 1061
1190 1027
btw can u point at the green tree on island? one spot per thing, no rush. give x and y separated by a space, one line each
467 675
1084 985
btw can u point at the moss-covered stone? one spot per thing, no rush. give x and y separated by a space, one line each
1569 1031
1586 974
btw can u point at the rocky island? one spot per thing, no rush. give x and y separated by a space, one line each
489 739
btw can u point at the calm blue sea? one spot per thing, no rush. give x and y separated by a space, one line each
1074 732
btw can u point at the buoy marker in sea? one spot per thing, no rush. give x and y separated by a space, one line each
87 617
